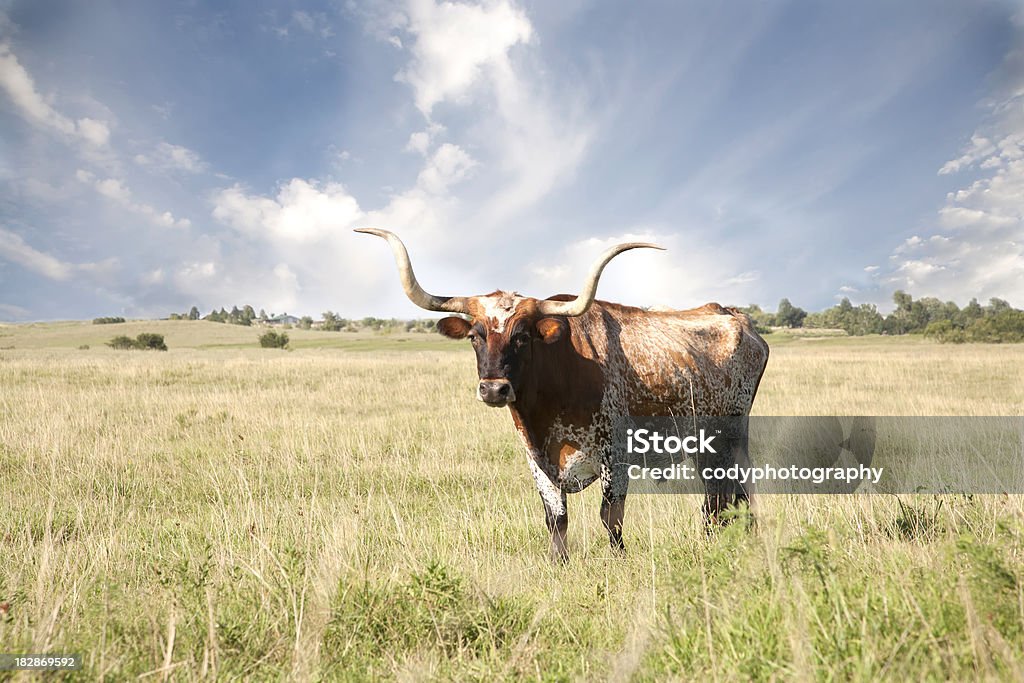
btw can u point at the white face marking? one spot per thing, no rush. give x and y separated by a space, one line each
499 308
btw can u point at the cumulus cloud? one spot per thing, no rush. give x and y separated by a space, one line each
116 191
303 211
448 166
455 43
981 252
420 141
690 272
536 139
36 109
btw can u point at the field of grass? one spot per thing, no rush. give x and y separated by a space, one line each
348 511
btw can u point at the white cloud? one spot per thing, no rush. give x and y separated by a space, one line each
979 148
689 273
172 158
982 254
154 277
448 166
112 188
461 53
20 87
303 211
420 141
315 23
218 283
95 132
15 249
116 191
744 277
454 43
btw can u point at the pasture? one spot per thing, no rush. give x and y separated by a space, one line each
347 511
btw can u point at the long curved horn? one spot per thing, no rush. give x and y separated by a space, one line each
586 296
416 294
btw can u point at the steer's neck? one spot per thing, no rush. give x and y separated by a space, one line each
561 384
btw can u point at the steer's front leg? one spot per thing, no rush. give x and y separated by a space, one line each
613 506
555 512
557 520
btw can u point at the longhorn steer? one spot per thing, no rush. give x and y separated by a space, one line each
568 367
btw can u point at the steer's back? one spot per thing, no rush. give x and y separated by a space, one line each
704 361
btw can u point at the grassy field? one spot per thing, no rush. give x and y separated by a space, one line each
347 511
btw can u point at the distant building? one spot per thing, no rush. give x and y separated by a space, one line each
283 319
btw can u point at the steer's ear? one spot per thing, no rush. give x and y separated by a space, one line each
454 327
551 329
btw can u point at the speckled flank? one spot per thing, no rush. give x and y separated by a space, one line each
702 362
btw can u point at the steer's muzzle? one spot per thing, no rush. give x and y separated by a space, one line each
496 392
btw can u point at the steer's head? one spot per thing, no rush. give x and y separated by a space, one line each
506 329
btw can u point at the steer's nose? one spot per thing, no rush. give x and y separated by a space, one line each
495 392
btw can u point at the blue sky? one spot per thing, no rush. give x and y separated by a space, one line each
159 155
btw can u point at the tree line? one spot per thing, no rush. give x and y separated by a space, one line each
995 322
331 321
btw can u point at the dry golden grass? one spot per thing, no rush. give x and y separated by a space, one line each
324 515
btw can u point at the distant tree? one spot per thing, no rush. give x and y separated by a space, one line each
789 315
193 314
332 323
997 306
305 322
763 320
262 315
972 311
107 321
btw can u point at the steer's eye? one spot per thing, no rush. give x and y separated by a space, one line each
521 339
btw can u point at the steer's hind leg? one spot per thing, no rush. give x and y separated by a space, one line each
558 526
613 507
725 495
741 456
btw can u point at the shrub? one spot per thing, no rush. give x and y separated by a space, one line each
107 321
121 342
274 340
150 341
147 341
